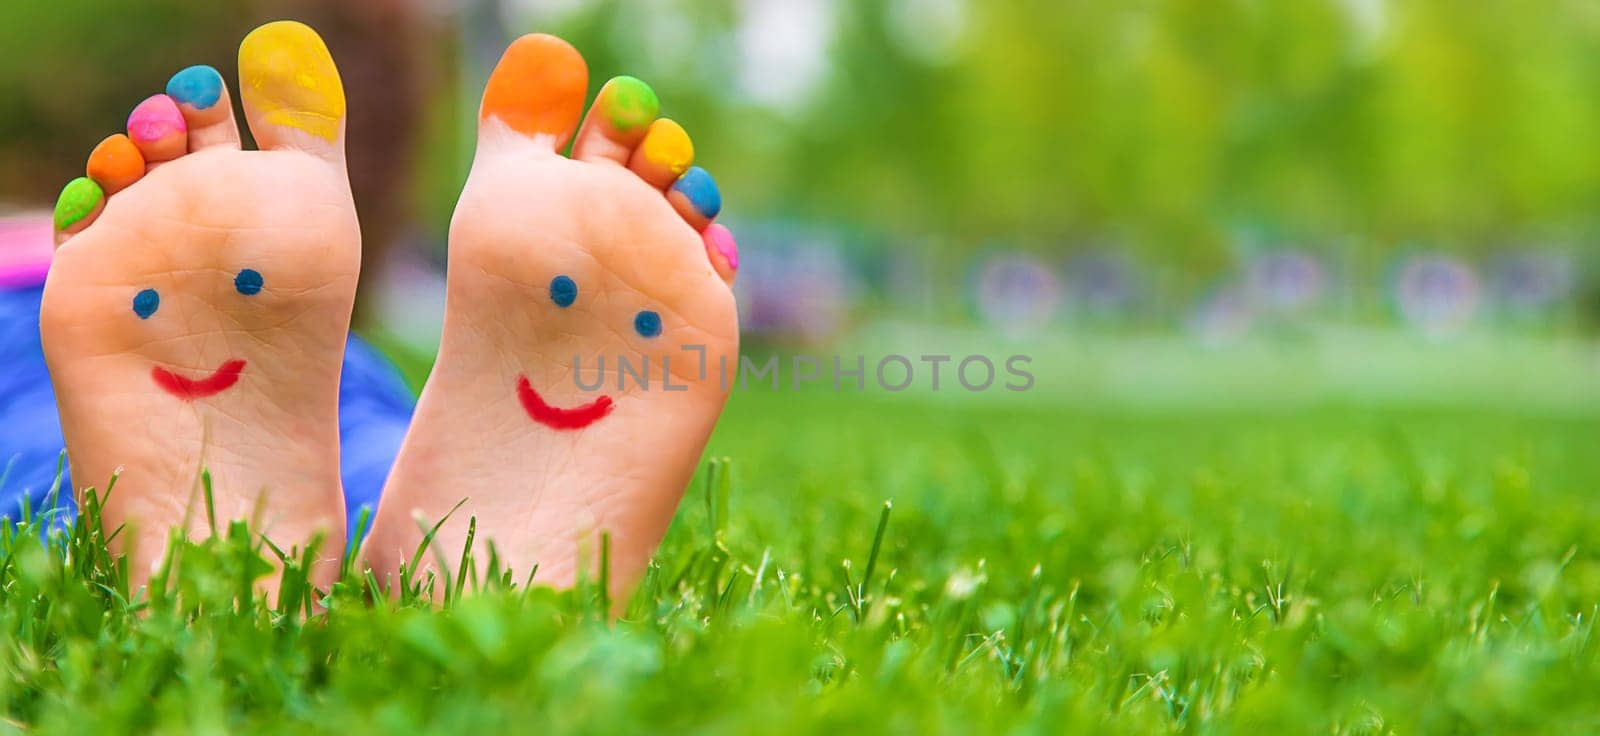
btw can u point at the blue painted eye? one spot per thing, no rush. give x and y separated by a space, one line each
647 323
248 282
563 291
145 303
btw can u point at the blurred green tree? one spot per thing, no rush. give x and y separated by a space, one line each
1172 126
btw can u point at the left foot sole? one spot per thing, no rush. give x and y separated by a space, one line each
196 310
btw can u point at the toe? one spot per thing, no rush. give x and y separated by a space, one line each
203 100
664 155
157 127
696 198
291 91
722 250
79 204
115 164
617 121
536 90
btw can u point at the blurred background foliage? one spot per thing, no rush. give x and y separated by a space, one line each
1177 132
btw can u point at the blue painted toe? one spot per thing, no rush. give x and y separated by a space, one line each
199 86
701 190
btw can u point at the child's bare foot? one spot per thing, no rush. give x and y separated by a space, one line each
606 255
197 317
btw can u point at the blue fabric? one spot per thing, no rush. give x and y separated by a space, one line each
374 410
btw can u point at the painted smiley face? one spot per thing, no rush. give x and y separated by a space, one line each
147 302
564 293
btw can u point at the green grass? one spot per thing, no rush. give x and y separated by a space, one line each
1338 570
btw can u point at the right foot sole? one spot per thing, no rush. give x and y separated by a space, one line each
557 263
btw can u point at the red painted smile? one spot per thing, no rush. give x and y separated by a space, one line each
577 417
190 389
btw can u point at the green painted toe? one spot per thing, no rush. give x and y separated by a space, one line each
78 198
628 104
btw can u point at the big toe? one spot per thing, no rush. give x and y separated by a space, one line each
291 90
536 91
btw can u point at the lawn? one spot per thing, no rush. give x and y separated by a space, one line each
1346 569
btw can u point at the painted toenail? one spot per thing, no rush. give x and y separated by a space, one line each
287 76
156 118
198 86
563 291
115 163
697 185
78 198
538 87
628 103
720 239
248 282
647 323
145 303
668 146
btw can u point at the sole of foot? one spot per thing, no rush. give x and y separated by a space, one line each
195 312
590 335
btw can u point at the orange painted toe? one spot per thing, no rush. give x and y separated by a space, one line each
538 87
115 163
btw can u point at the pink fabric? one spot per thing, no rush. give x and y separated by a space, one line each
26 244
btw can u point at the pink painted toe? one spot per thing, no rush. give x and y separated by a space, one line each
722 250
157 127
